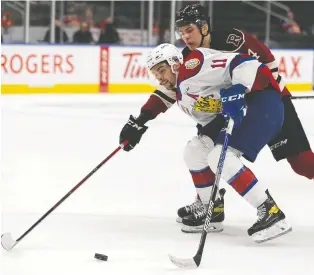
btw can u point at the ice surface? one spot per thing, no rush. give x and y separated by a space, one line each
127 210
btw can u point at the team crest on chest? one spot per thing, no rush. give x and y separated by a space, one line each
192 63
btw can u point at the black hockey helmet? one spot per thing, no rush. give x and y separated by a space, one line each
193 14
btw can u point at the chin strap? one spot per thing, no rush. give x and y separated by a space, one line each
203 35
176 85
201 44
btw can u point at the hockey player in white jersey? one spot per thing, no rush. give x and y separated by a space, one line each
208 83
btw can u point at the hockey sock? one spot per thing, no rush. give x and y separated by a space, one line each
303 164
247 186
203 181
241 178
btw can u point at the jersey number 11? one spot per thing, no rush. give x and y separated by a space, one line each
219 63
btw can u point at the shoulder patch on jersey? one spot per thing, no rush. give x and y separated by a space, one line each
234 39
192 63
227 40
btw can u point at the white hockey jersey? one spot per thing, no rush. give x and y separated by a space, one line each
206 71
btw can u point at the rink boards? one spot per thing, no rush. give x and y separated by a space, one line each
117 69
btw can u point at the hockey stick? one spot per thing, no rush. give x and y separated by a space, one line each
8 242
196 260
302 97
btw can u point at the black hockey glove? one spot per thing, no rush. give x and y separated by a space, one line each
132 131
213 128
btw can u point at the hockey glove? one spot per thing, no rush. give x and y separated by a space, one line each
132 132
213 128
233 102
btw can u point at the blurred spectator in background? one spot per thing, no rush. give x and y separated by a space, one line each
83 35
109 34
156 27
58 32
71 19
167 36
89 17
290 25
6 22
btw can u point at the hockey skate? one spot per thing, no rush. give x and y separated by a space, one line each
271 222
193 223
189 209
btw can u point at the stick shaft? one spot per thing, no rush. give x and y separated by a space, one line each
72 190
199 253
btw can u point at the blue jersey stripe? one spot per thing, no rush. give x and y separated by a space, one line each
237 60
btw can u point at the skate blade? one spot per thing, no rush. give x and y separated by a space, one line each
214 228
275 231
179 220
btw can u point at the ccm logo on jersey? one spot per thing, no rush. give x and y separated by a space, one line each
192 63
278 144
232 97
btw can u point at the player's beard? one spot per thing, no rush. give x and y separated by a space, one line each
169 86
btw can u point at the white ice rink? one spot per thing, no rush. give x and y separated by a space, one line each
127 210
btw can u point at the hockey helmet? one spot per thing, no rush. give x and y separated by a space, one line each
164 52
193 14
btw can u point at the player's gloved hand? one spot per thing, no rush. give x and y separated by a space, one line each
213 128
132 132
233 102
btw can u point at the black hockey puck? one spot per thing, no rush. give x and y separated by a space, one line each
101 257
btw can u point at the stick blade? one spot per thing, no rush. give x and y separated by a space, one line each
7 241
183 263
